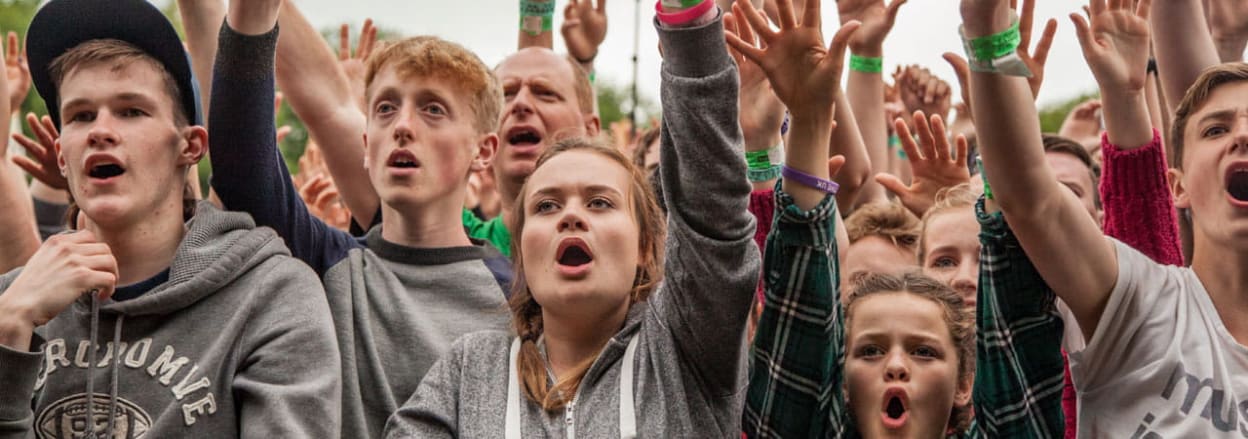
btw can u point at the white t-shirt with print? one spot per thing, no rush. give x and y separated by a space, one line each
1161 364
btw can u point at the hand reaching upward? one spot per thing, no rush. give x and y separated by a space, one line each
877 21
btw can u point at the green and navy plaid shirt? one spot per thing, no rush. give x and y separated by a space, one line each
795 388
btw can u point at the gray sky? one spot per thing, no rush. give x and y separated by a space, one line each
924 30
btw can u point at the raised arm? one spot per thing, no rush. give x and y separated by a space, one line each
1183 44
21 238
712 263
1138 207
865 87
319 91
794 388
1066 244
244 155
201 19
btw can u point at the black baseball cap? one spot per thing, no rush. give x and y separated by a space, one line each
61 25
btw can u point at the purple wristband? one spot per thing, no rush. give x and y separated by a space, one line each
809 180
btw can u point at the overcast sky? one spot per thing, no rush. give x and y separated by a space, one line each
924 30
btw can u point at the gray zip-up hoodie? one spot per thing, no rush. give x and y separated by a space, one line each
232 345
690 357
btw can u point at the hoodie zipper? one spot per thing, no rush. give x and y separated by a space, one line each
569 417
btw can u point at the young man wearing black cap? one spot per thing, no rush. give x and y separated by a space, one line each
212 334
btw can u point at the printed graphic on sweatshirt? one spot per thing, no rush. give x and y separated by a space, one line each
186 383
67 418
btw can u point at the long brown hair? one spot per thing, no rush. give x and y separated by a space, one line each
957 316
527 313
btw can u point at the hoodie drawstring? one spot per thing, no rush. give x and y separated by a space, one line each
95 323
112 400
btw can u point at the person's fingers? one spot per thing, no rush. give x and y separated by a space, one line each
367 37
756 22
962 71
891 11
37 128
49 127
91 247
746 32
29 144
11 54
907 140
892 184
840 42
811 17
34 169
745 49
1041 54
963 147
1144 8
835 163
601 6
941 138
1083 33
1025 19
282 132
1096 7
927 143
326 197
784 9
344 42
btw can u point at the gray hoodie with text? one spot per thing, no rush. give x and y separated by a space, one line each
231 345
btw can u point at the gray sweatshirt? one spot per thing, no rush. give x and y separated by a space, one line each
396 308
690 357
232 345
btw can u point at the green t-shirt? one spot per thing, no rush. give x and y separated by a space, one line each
492 231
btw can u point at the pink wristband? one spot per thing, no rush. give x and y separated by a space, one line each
682 17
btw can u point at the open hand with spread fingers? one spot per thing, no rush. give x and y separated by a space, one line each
933 163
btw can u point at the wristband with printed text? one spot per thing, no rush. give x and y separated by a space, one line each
797 176
537 16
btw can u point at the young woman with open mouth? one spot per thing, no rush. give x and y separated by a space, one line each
601 348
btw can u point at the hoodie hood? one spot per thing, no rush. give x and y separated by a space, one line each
218 247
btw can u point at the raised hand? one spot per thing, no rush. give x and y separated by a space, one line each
1115 44
321 196
933 165
1228 25
803 73
584 28
17 71
64 267
1083 121
877 21
920 90
760 110
43 166
355 65
977 13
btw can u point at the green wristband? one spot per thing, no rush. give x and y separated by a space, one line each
680 4
991 47
760 175
537 16
758 160
979 162
765 159
866 64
